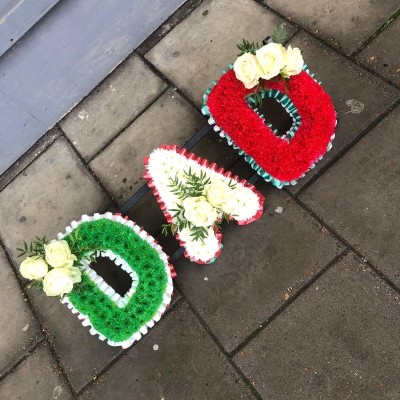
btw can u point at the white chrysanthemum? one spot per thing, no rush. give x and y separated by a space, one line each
200 250
241 202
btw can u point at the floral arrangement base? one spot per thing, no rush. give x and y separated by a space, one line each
119 320
221 195
281 160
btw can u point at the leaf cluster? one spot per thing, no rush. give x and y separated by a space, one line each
247 47
193 186
180 223
33 249
82 252
279 34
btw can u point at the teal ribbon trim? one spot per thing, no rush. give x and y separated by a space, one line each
286 103
292 111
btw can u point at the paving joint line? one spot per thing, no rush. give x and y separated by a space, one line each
37 319
168 81
370 127
218 343
345 243
125 127
156 71
287 304
379 273
90 170
93 91
187 8
245 379
142 56
123 352
381 29
27 154
11 368
321 40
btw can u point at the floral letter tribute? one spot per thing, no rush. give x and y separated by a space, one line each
63 269
279 73
196 197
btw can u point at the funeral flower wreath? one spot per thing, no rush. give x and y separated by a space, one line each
233 103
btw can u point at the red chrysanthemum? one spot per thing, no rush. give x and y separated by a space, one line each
282 159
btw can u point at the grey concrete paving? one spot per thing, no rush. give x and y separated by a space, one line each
186 365
211 46
342 23
283 313
337 341
37 377
38 202
43 143
382 55
81 355
19 331
120 164
344 81
359 196
115 103
260 266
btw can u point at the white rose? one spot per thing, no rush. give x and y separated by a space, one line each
247 70
75 273
271 58
229 206
33 268
58 254
199 211
60 281
218 193
293 62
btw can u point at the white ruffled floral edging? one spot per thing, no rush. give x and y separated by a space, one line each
168 162
85 320
120 301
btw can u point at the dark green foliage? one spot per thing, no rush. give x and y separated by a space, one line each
247 47
279 34
193 187
35 248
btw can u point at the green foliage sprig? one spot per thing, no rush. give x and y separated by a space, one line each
247 47
193 186
32 249
36 249
279 34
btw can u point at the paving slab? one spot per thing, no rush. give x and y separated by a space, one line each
195 52
344 81
170 120
261 265
111 106
54 190
176 360
18 329
37 377
339 340
359 196
38 148
381 55
342 23
81 355
182 12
